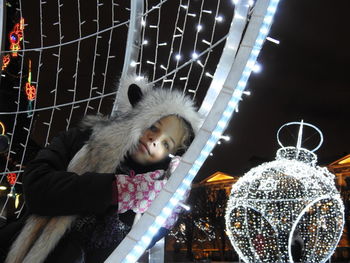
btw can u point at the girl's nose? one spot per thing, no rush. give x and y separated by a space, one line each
153 139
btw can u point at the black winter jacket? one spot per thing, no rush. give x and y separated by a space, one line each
52 191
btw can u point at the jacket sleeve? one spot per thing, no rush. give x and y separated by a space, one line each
50 190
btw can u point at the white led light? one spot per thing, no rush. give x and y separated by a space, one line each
226 137
174 201
145 42
197 162
194 55
131 258
241 84
200 63
146 240
186 182
206 42
260 41
211 144
138 249
219 18
181 191
160 220
199 27
250 64
255 52
153 230
222 124
257 68
272 8
133 64
186 207
264 30
273 40
209 75
178 57
232 103
268 19
167 211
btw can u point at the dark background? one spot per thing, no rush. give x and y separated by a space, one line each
305 77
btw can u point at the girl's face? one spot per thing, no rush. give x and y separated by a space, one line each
159 140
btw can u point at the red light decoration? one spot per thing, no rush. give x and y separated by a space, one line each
16 36
12 178
30 89
5 61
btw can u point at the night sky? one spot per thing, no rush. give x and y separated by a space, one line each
304 77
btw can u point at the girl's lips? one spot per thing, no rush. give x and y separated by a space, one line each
143 148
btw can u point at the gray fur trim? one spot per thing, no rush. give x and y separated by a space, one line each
110 141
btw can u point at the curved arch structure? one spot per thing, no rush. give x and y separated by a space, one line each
220 103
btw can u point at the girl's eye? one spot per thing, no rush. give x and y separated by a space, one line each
153 128
166 145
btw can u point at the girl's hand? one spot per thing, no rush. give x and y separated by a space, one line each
137 192
175 161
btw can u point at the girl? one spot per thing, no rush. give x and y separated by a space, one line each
83 189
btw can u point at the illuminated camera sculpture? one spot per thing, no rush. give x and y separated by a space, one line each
287 210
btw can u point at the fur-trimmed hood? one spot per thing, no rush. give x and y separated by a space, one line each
139 106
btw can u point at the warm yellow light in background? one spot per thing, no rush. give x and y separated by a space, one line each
219 177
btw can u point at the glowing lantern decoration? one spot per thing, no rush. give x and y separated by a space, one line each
12 178
287 210
5 61
16 36
30 89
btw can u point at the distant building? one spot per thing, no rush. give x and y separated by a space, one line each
341 169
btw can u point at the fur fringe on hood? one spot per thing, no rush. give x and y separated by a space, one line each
110 140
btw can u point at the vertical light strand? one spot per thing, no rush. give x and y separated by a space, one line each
108 57
77 63
179 51
207 56
194 48
58 70
171 53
